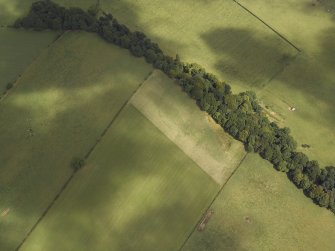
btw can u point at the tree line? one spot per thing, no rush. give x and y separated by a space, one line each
239 114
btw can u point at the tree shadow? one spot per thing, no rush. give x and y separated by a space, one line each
246 57
256 61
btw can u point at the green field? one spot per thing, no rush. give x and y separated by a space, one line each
307 23
170 109
157 160
308 83
260 209
227 40
57 111
10 10
310 88
221 36
138 191
18 49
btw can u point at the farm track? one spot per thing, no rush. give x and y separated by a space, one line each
267 25
211 203
87 155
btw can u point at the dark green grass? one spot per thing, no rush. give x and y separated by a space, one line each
138 191
57 111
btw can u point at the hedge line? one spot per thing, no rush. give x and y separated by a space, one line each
239 114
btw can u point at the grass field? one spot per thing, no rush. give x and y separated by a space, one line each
10 10
308 83
57 111
304 22
18 48
163 102
139 191
260 209
310 88
219 35
226 39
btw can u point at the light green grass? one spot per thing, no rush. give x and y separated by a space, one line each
164 103
298 20
10 10
219 35
308 83
67 97
226 39
260 209
18 48
310 88
138 191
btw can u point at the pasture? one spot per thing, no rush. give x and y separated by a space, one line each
219 35
57 111
309 24
18 48
170 109
310 88
227 40
260 209
308 83
157 168
138 191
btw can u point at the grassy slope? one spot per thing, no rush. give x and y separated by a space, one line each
219 35
18 48
67 97
10 10
179 118
138 191
310 88
298 20
226 39
309 82
260 209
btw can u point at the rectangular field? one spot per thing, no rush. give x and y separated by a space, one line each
18 48
219 35
260 209
138 191
57 111
171 110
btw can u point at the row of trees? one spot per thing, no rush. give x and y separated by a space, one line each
239 114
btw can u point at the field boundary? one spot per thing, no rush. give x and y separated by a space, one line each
279 72
211 203
267 25
87 155
16 81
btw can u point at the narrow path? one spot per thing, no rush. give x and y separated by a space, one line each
275 31
211 203
87 155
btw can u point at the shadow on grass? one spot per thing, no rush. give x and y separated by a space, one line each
249 56
53 115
